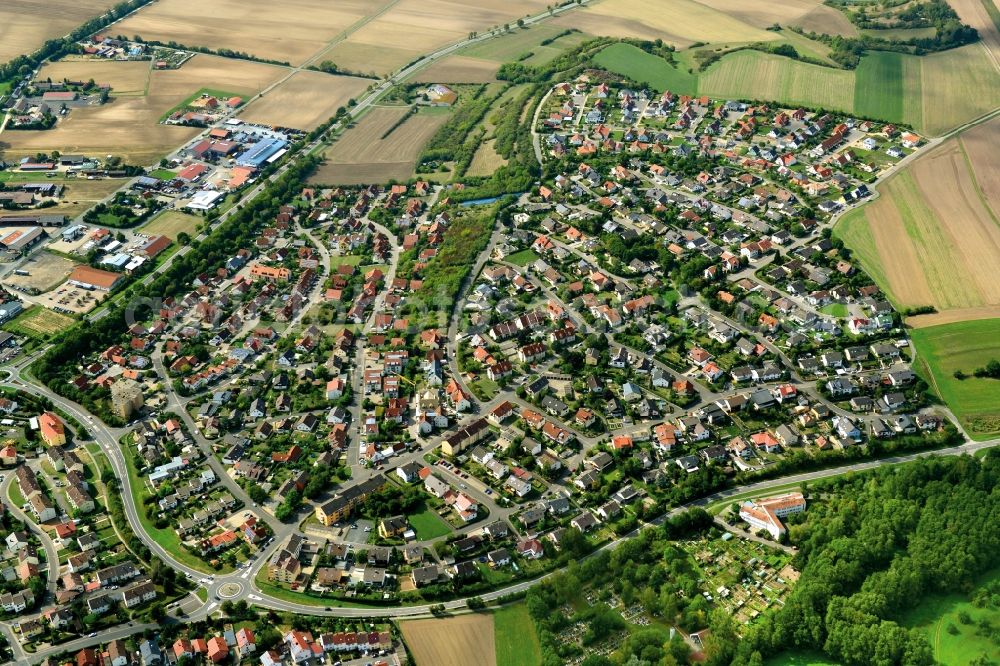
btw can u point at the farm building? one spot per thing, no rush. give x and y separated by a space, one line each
155 246
94 278
22 239
262 151
204 200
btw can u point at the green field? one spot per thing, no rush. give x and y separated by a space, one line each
835 310
516 641
522 258
166 537
517 44
889 86
965 346
428 525
878 86
163 174
646 68
955 643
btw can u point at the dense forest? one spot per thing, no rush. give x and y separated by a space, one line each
883 540
870 545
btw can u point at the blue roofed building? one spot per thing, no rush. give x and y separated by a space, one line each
260 152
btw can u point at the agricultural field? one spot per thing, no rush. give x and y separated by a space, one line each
931 238
46 271
968 77
80 194
27 24
486 160
952 626
305 100
963 346
890 86
454 641
362 155
291 31
129 126
125 78
680 22
645 67
518 43
516 640
458 69
764 13
763 76
39 322
170 223
415 27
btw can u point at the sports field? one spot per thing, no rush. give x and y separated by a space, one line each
291 30
170 223
27 24
361 155
129 126
305 100
453 641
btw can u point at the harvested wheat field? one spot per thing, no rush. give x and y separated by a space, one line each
975 14
679 22
305 100
291 30
80 194
170 223
825 20
458 69
125 78
361 155
27 24
763 13
486 160
932 237
129 126
967 77
453 641
414 27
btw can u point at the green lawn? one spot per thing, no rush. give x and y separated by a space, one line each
643 67
14 493
516 640
835 310
166 537
345 260
163 174
522 258
955 643
428 525
878 86
942 350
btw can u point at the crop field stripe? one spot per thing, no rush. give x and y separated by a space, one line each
643 67
878 86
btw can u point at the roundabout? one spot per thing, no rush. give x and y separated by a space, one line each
230 590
